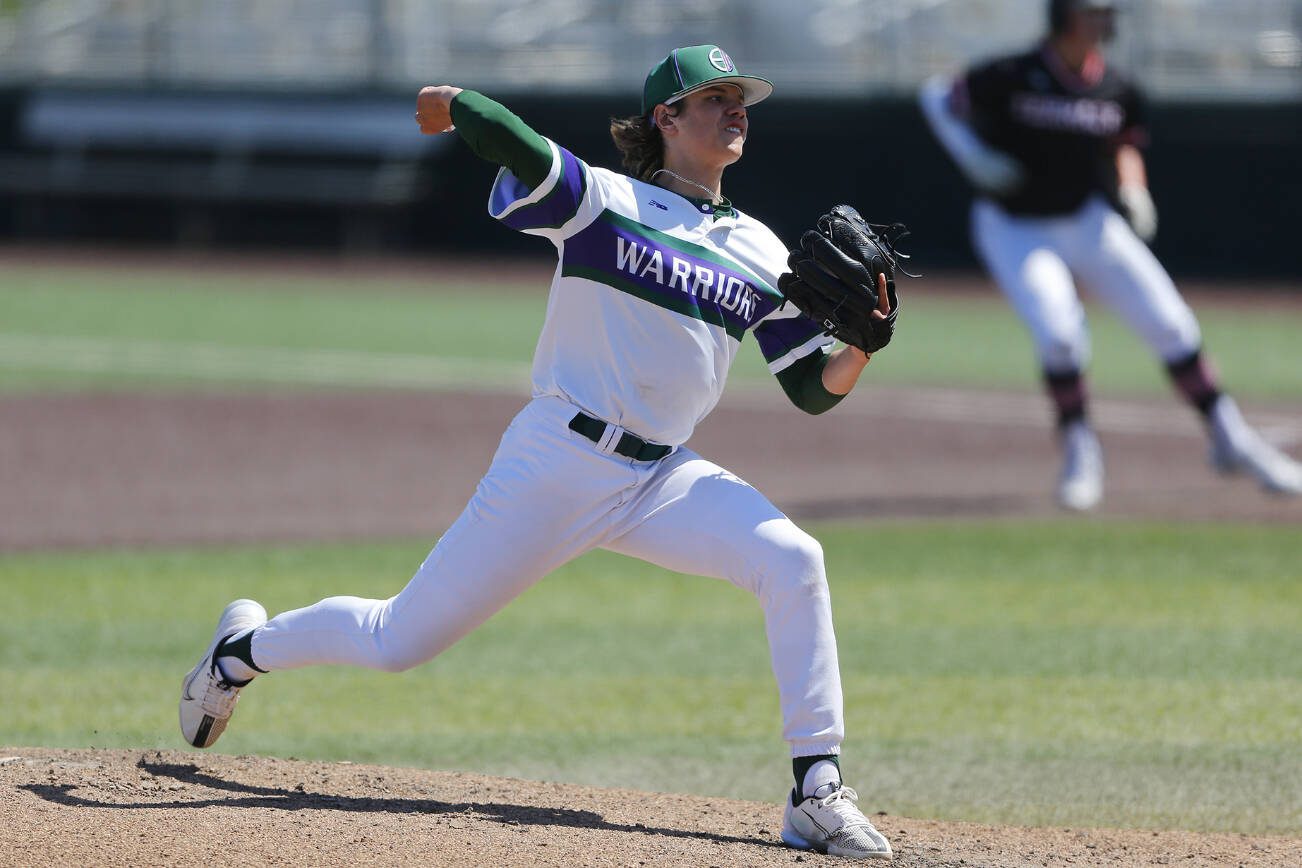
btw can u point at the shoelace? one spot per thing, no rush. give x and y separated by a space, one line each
842 802
219 698
856 832
838 795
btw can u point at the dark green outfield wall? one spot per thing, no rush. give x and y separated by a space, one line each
1227 180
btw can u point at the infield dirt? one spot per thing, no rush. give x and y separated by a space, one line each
89 470
88 807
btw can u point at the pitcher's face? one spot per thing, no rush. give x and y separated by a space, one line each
710 127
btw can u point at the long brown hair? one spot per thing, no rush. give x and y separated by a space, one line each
640 144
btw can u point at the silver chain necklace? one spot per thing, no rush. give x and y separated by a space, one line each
723 200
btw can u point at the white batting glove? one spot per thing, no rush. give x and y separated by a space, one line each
988 169
1139 209
993 171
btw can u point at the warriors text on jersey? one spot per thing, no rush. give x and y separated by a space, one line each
1062 126
651 297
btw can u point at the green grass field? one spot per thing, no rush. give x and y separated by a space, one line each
1044 672
1055 672
77 328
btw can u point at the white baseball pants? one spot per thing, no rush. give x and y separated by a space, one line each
549 496
1034 261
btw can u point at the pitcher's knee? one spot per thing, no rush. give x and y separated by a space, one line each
394 656
397 650
403 664
791 563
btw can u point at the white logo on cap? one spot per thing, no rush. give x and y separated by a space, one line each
720 60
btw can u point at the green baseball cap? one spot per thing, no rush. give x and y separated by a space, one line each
687 70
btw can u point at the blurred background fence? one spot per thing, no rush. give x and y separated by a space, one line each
1223 49
289 121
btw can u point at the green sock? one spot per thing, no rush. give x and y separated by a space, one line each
800 767
235 659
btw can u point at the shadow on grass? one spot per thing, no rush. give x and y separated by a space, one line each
260 798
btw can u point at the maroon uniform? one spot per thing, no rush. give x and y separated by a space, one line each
1062 126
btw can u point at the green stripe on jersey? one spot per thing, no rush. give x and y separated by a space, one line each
664 239
680 303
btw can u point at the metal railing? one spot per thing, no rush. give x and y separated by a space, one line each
1228 49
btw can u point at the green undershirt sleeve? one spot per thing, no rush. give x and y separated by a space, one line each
494 133
803 383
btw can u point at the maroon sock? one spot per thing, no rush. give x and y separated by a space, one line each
1069 395
1195 378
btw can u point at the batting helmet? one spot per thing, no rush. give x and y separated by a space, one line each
1060 10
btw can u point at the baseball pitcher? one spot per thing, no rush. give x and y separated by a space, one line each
658 280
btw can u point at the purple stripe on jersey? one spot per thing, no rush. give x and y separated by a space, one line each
777 337
557 206
666 271
506 190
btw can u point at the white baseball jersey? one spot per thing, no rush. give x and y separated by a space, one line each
651 298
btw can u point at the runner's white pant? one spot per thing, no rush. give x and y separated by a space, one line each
551 495
1034 260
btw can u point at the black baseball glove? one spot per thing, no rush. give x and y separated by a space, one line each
833 277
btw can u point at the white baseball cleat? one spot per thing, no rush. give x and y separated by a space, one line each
1080 484
207 698
1237 448
830 822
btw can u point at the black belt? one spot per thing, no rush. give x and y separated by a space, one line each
629 445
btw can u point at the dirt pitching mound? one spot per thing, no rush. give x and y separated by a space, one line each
99 807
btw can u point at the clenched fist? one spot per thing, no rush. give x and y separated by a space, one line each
434 108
